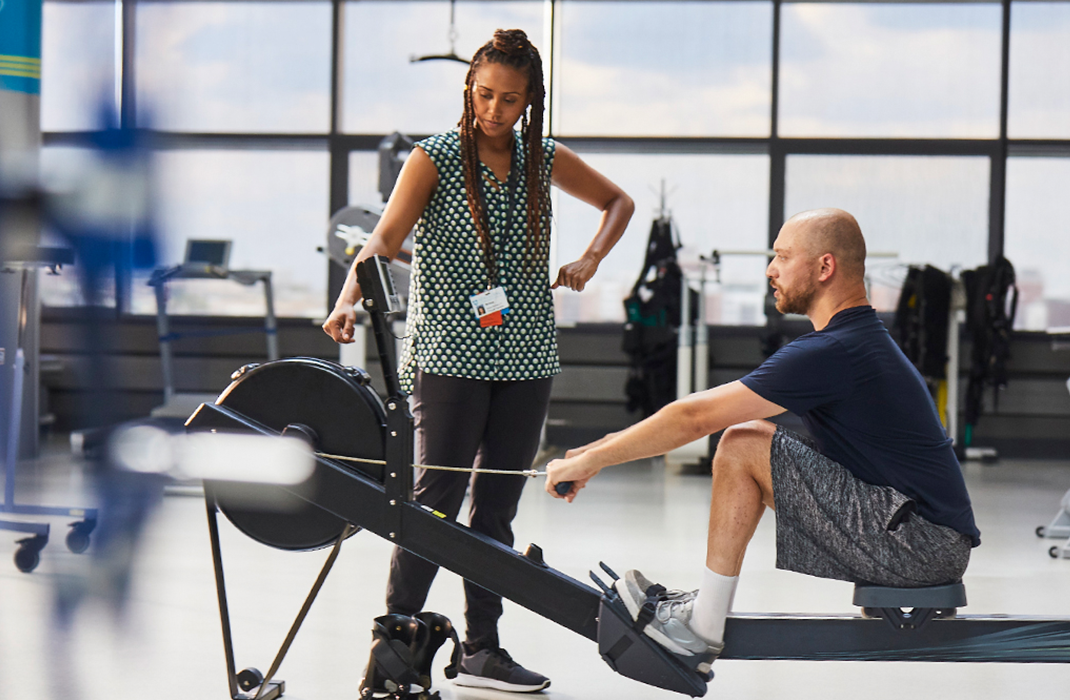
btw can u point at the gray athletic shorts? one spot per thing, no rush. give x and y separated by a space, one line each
833 525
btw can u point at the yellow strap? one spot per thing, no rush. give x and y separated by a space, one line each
6 58
20 66
941 402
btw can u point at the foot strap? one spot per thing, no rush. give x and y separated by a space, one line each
654 595
436 630
392 655
699 663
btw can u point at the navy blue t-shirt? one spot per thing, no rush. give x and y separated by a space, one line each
869 409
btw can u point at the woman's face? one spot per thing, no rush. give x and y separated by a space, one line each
499 97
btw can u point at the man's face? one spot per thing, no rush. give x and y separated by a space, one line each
793 272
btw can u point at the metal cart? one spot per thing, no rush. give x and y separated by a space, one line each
28 554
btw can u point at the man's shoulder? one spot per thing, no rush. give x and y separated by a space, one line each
815 341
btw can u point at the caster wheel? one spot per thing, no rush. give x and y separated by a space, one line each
1053 552
27 558
250 678
1040 531
77 540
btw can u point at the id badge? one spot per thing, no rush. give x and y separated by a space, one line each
492 301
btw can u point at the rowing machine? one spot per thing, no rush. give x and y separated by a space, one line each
336 411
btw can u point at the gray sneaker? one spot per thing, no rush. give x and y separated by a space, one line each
670 624
494 668
646 584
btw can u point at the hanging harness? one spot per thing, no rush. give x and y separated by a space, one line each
653 319
922 318
991 304
921 326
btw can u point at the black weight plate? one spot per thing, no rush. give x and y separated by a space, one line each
347 418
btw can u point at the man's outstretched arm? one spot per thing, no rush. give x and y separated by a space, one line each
685 420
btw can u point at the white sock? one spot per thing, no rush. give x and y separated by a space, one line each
712 605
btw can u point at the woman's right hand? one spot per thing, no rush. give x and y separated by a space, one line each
416 182
339 325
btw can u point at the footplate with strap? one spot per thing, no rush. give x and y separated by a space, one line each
631 653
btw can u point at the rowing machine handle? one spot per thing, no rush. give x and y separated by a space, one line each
563 487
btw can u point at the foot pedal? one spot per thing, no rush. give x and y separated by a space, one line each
635 655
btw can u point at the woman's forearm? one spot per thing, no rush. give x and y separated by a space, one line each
350 295
615 217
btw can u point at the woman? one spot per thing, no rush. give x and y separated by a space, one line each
481 348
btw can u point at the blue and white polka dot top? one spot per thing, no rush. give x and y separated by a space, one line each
443 334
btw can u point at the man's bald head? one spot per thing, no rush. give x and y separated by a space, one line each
833 231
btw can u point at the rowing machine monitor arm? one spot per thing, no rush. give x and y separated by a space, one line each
380 301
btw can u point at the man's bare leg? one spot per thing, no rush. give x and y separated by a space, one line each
742 488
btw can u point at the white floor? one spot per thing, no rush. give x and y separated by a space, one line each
636 516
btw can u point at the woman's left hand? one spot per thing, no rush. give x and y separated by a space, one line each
575 275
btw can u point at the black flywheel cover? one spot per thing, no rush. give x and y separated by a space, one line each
318 399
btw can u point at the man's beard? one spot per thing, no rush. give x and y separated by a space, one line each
797 302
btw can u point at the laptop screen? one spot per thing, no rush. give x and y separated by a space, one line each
203 252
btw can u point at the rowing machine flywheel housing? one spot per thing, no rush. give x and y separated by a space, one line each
327 405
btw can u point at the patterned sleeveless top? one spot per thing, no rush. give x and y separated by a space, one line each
443 334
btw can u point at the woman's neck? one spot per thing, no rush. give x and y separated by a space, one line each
496 144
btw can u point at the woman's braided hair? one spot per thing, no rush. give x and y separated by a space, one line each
510 47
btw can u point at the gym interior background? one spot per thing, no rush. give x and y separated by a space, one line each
943 126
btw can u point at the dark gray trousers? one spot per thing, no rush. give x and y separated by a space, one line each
465 423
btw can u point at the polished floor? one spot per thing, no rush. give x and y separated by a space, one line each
167 643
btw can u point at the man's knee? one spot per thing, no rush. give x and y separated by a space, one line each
745 446
755 434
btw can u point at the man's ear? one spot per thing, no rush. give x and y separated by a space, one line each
828 267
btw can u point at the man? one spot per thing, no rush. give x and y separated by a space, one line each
876 497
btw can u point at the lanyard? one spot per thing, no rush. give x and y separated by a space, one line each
488 248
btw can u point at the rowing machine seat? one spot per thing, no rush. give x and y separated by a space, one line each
950 595
910 608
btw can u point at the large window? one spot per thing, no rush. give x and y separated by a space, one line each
665 69
234 66
716 202
891 110
900 69
1038 240
270 204
386 92
77 64
916 210
1040 64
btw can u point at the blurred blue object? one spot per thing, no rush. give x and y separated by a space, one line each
107 216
